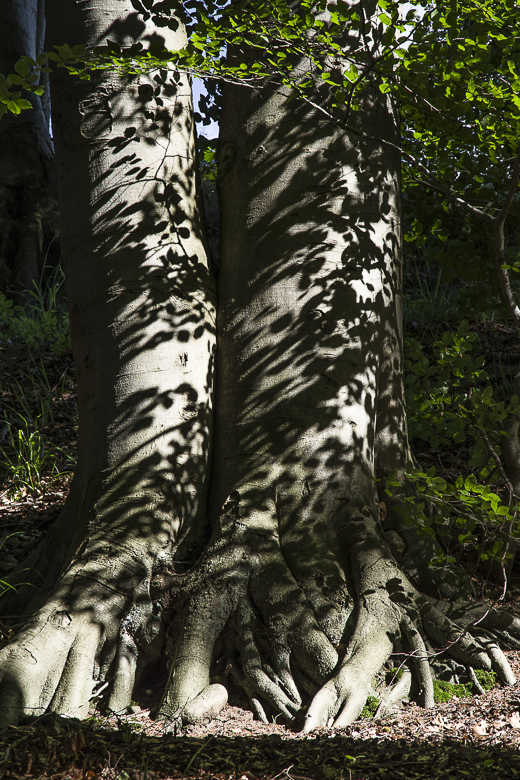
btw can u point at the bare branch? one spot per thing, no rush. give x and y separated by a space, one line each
500 252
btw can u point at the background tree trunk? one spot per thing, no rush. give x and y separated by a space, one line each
29 217
141 302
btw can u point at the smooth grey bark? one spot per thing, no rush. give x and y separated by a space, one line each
29 217
141 300
303 588
298 595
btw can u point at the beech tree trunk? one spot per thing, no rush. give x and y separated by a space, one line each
29 217
307 584
141 302
303 592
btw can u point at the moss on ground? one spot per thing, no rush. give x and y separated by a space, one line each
488 680
444 691
369 710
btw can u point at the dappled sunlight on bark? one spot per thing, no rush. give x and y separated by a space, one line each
142 312
260 561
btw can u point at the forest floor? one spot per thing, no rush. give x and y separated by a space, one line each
475 738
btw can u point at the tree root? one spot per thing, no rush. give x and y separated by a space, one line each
91 630
420 659
275 641
396 694
101 621
244 575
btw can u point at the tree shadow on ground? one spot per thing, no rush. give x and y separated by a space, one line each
62 748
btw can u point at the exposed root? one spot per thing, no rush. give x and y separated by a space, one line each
458 642
346 693
86 633
207 704
396 694
247 588
245 577
96 628
421 663
500 664
204 617
473 677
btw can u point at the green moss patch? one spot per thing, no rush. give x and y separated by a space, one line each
444 691
488 680
369 710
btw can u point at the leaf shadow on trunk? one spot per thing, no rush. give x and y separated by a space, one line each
299 596
142 309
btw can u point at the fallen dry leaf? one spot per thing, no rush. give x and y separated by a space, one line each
514 720
480 729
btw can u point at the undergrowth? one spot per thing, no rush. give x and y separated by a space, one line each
43 322
445 691
37 390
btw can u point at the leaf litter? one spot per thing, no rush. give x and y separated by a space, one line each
470 738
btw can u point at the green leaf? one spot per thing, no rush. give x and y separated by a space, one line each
65 52
22 68
13 107
22 103
80 50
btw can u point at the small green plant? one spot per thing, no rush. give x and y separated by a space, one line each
444 691
35 390
487 680
42 323
31 458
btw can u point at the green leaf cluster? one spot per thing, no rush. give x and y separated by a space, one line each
451 404
38 326
26 77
